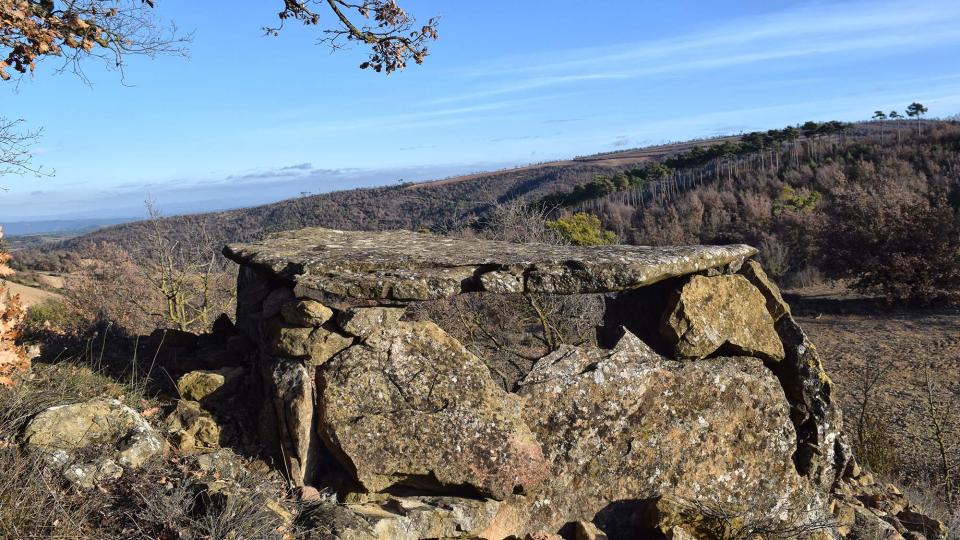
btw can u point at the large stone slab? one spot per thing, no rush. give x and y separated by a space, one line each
406 266
410 406
626 428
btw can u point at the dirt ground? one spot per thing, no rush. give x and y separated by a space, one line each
29 295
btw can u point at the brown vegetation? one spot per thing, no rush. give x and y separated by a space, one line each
897 381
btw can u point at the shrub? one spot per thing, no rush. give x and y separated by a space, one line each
896 243
582 229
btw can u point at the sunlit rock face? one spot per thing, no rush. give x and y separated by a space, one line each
486 389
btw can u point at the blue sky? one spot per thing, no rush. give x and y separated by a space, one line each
249 119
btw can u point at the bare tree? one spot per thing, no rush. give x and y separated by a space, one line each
15 143
941 416
869 422
190 275
520 223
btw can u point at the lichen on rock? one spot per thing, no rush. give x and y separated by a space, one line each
709 314
119 433
412 407
717 420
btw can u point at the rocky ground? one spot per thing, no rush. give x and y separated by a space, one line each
351 418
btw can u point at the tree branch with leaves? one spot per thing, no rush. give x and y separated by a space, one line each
31 30
392 34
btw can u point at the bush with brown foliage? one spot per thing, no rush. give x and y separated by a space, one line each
895 242
13 358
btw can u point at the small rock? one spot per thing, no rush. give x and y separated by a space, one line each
316 345
308 494
408 518
543 535
203 385
306 313
81 475
87 475
191 429
916 521
712 312
222 463
867 525
588 531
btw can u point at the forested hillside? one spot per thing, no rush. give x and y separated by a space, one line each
441 205
882 211
843 199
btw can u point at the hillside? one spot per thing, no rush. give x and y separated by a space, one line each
785 191
439 205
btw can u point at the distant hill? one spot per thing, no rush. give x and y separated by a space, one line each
436 205
59 226
450 203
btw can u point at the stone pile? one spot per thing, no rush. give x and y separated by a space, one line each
708 415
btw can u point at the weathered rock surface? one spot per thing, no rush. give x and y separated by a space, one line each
191 429
202 385
314 344
305 313
776 305
362 322
120 435
402 518
628 425
403 265
721 312
588 531
411 406
293 399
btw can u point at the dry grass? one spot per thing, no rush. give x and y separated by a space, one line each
169 498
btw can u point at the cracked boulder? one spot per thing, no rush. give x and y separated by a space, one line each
410 406
623 428
725 314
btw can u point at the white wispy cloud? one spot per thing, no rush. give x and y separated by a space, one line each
820 30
